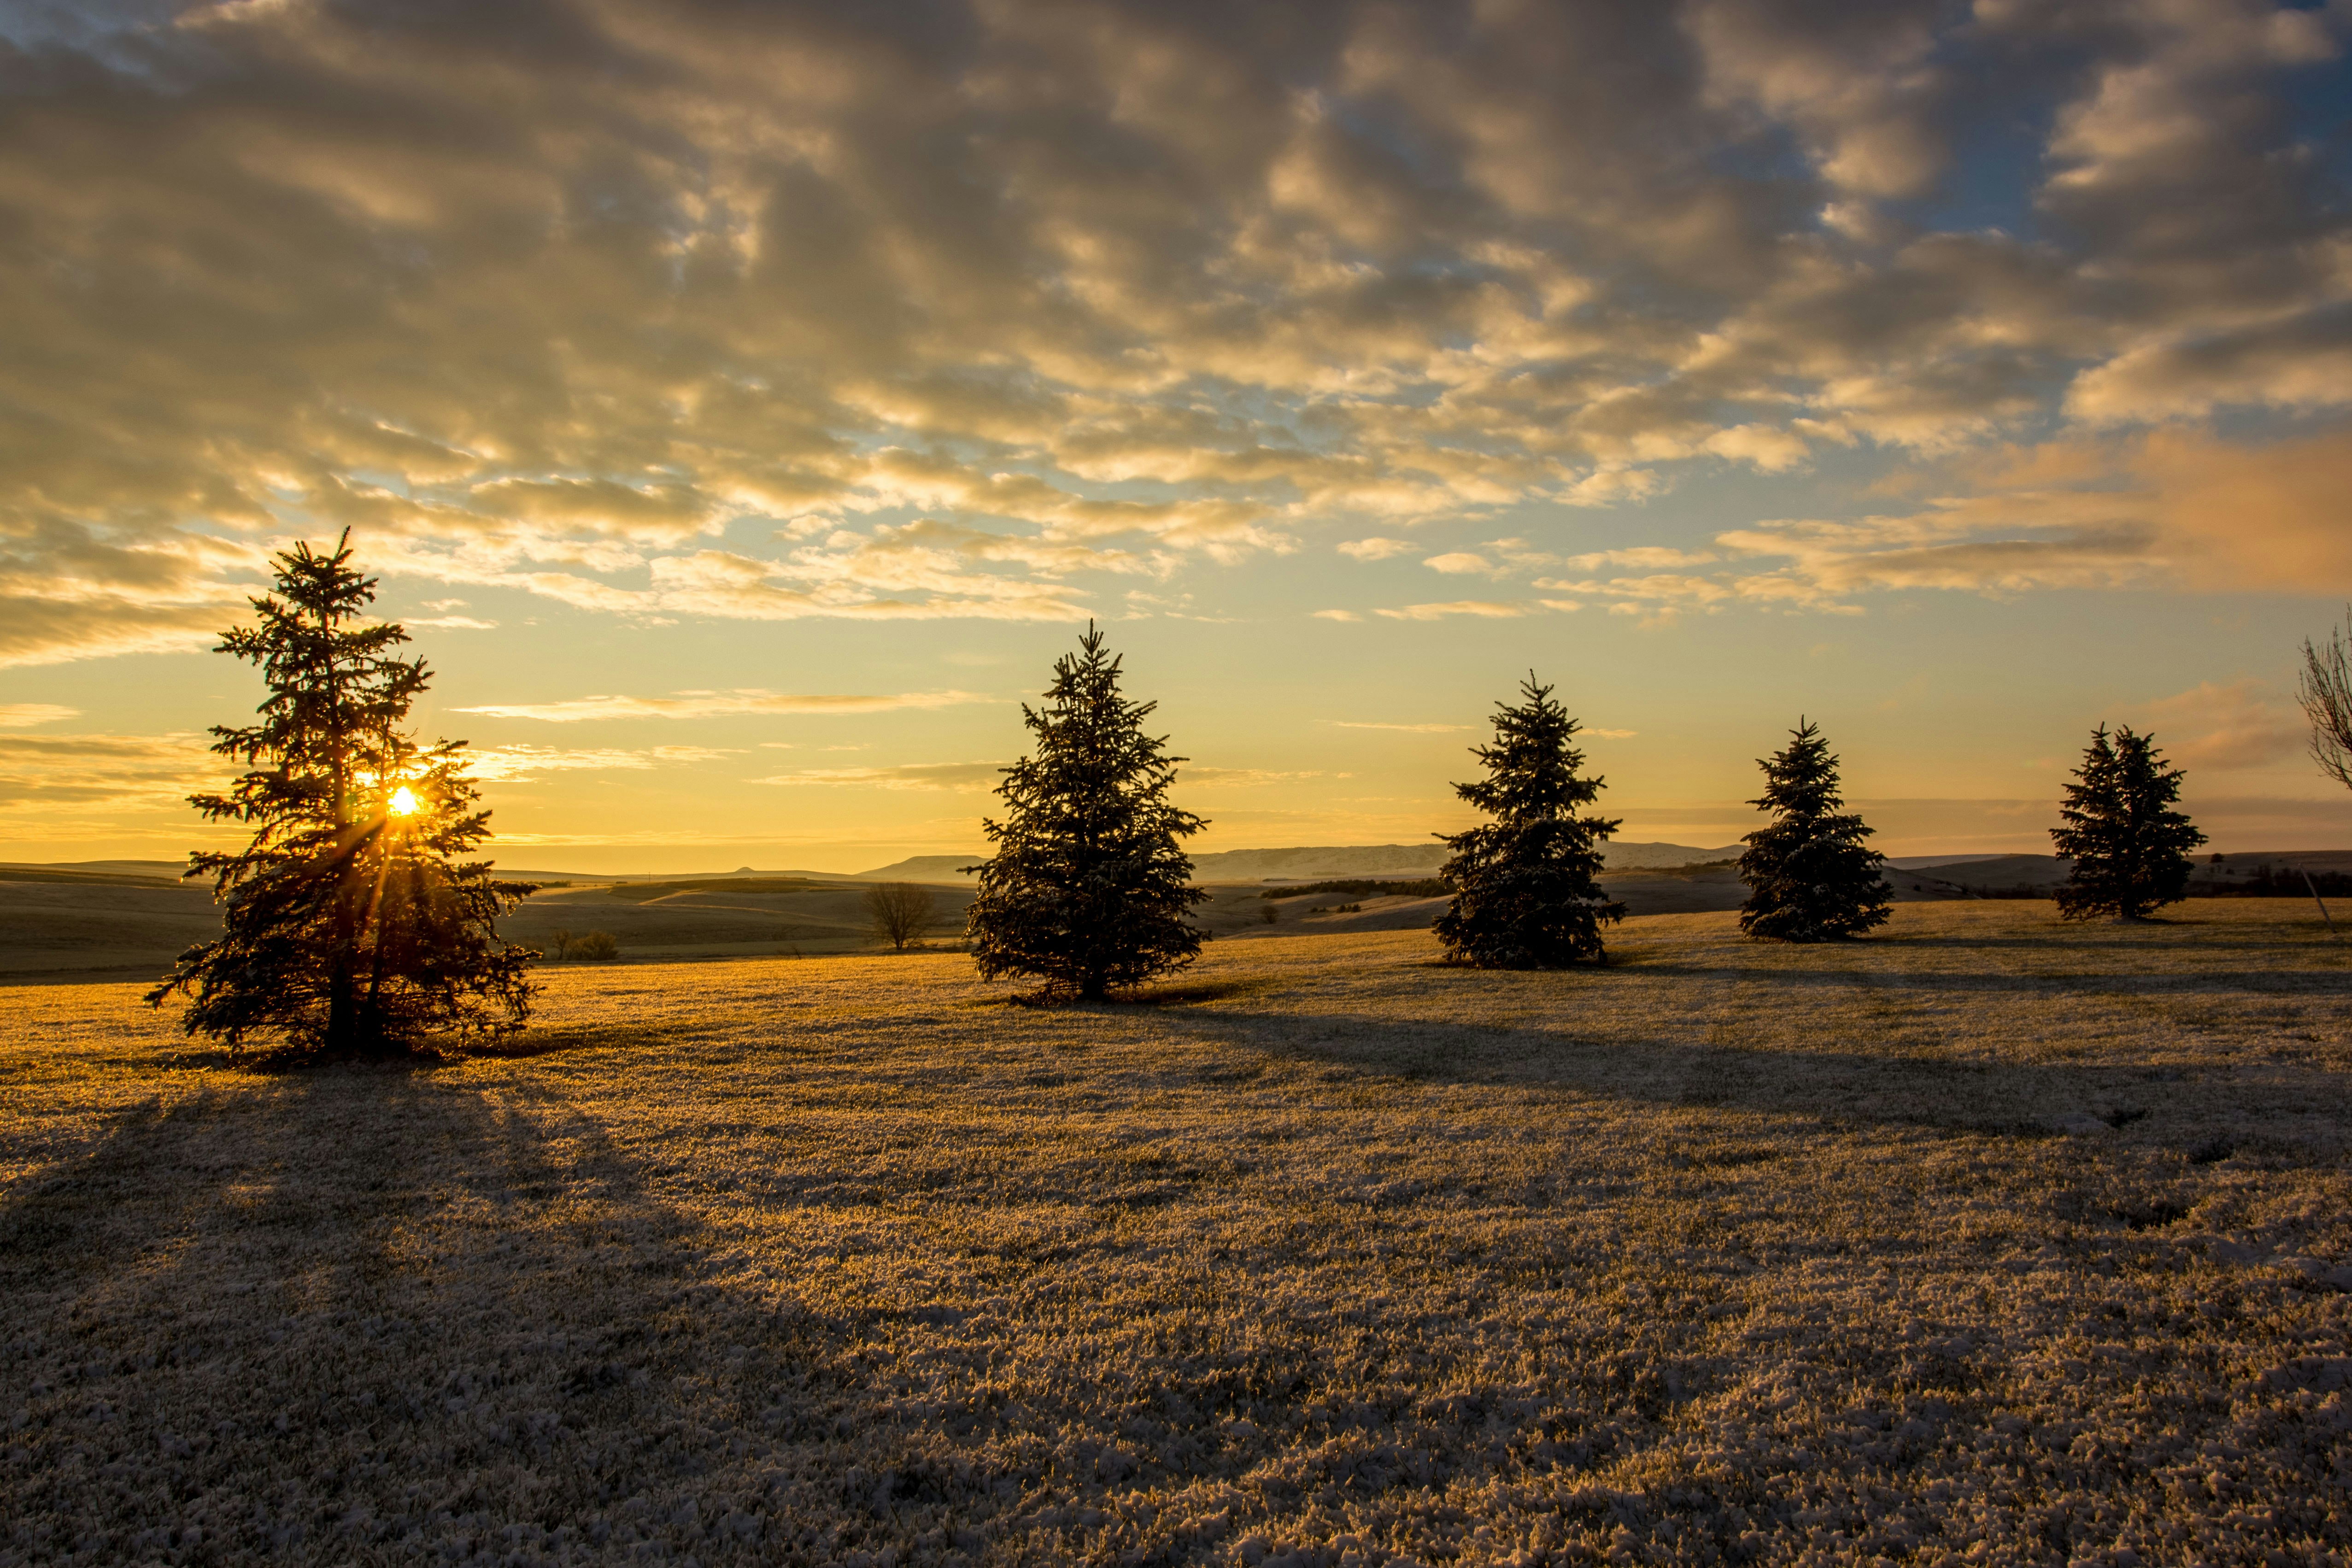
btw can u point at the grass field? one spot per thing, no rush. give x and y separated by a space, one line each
1991 1240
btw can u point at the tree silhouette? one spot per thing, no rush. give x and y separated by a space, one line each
1091 886
1524 895
1810 877
348 925
2129 847
900 911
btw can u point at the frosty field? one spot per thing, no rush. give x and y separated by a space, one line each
1990 1240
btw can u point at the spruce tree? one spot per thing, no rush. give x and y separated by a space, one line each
2129 847
1524 895
349 927
1090 886
1810 877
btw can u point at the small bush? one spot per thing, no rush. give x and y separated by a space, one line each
595 944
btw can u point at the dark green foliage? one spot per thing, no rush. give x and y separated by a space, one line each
1089 888
1423 888
1524 895
2129 847
1810 877
347 926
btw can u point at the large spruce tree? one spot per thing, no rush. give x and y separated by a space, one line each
1810 876
349 926
1091 888
1525 894
2129 847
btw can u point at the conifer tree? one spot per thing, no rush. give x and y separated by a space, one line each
1524 895
1091 886
2129 847
348 925
1810 877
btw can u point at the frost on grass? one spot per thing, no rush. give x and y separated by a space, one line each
1991 1240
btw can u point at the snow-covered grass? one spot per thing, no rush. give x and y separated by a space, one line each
1993 1240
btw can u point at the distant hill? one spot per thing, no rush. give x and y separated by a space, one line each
1622 856
1308 864
1404 860
93 870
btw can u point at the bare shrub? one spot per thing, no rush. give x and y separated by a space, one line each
900 911
2327 692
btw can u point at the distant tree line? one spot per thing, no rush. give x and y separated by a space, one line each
1365 887
2267 881
353 924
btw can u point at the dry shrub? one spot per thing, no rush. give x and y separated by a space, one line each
595 944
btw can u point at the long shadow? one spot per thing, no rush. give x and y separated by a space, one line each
2298 983
382 1316
1898 1085
372 1312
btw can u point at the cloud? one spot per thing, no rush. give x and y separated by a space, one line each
1337 616
72 590
50 784
1408 729
2241 724
2170 510
524 763
26 715
1649 555
909 776
1460 563
1484 607
1859 88
966 311
705 704
1220 778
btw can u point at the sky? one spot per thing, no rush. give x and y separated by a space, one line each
742 406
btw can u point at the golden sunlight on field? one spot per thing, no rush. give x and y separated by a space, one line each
1992 1240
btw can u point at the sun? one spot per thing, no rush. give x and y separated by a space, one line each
403 802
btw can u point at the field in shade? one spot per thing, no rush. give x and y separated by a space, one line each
1991 1240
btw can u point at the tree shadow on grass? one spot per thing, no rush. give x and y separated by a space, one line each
2084 983
373 1312
2162 1103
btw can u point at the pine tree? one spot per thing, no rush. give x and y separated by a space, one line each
1524 890
2129 847
347 926
1810 877
1089 887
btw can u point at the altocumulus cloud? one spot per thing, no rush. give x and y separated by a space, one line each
905 775
709 704
964 309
